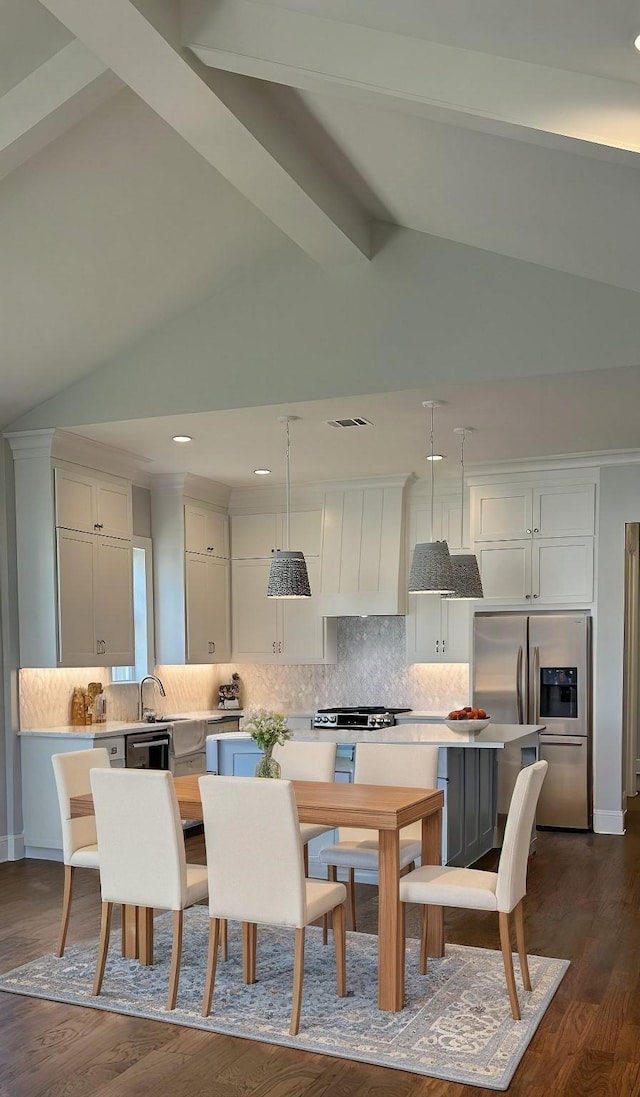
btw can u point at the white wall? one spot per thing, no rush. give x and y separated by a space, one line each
619 503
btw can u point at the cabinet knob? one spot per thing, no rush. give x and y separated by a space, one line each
527 595
529 531
437 646
444 646
535 596
536 531
280 647
274 647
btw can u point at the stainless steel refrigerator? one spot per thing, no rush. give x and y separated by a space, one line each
536 669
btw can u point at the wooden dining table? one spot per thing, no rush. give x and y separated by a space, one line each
385 808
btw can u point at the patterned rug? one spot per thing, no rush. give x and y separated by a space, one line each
456 1024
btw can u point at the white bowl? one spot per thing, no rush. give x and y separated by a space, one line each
465 726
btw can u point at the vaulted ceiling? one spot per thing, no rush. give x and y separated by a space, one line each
153 154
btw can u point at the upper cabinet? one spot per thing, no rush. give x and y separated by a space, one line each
535 542
438 630
93 505
363 567
271 630
74 557
191 569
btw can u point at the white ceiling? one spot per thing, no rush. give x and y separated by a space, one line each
508 126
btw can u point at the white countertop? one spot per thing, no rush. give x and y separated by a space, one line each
94 731
493 737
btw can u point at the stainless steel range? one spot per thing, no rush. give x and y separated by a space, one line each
364 716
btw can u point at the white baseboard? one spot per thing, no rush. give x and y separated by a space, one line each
11 847
43 853
608 822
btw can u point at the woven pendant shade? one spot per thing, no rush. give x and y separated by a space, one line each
288 577
467 584
431 569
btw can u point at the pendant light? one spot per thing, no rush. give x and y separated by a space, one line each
288 577
466 573
431 565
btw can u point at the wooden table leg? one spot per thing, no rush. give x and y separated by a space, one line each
390 936
137 933
432 855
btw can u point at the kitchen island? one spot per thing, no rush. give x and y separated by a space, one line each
476 772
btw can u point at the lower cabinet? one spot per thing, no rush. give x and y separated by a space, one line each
471 803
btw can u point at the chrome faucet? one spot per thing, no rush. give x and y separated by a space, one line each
148 678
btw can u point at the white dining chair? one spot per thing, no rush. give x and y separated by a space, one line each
477 889
79 843
258 876
382 764
142 855
301 761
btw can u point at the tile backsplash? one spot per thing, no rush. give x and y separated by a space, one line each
371 670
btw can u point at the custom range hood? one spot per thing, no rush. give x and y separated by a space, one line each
363 554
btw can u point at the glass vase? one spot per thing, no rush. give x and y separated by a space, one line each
268 766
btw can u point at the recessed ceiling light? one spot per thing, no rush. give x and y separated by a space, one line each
435 457
182 438
262 472
637 42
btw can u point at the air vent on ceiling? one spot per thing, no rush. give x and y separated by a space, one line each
356 421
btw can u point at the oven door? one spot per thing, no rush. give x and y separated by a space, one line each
148 750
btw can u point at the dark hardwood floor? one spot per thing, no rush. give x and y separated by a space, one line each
583 903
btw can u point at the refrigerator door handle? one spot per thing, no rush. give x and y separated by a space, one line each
519 705
562 741
535 693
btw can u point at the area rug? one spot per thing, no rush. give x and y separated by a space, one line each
456 1023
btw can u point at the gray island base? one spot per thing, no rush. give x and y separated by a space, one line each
476 772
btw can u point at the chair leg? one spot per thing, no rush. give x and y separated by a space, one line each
507 959
340 941
105 928
66 908
522 952
212 956
249 947
298 976
424 926
305 858
332 876
176 956
351 889
224 936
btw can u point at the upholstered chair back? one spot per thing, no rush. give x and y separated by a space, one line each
512 871
306 761
71 773
140 838
254 854
393 764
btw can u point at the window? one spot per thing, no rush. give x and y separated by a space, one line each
142 615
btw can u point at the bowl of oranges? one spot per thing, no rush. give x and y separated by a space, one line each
467 719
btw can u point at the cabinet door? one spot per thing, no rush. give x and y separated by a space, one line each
424 629
456 631
76 633
114 509
254 536
562 569
75 501
254 635
207 609
302 631
113 601
564 511
455 806
501 513
505 570
205 531
306 532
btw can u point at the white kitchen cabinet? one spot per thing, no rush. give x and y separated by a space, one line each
93 504
206 531
207 609
362 551
535 542
510 512
95 599
438 630
191 570
273 630
258 536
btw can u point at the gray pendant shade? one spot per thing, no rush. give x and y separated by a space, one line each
466 578
431 571
288 576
